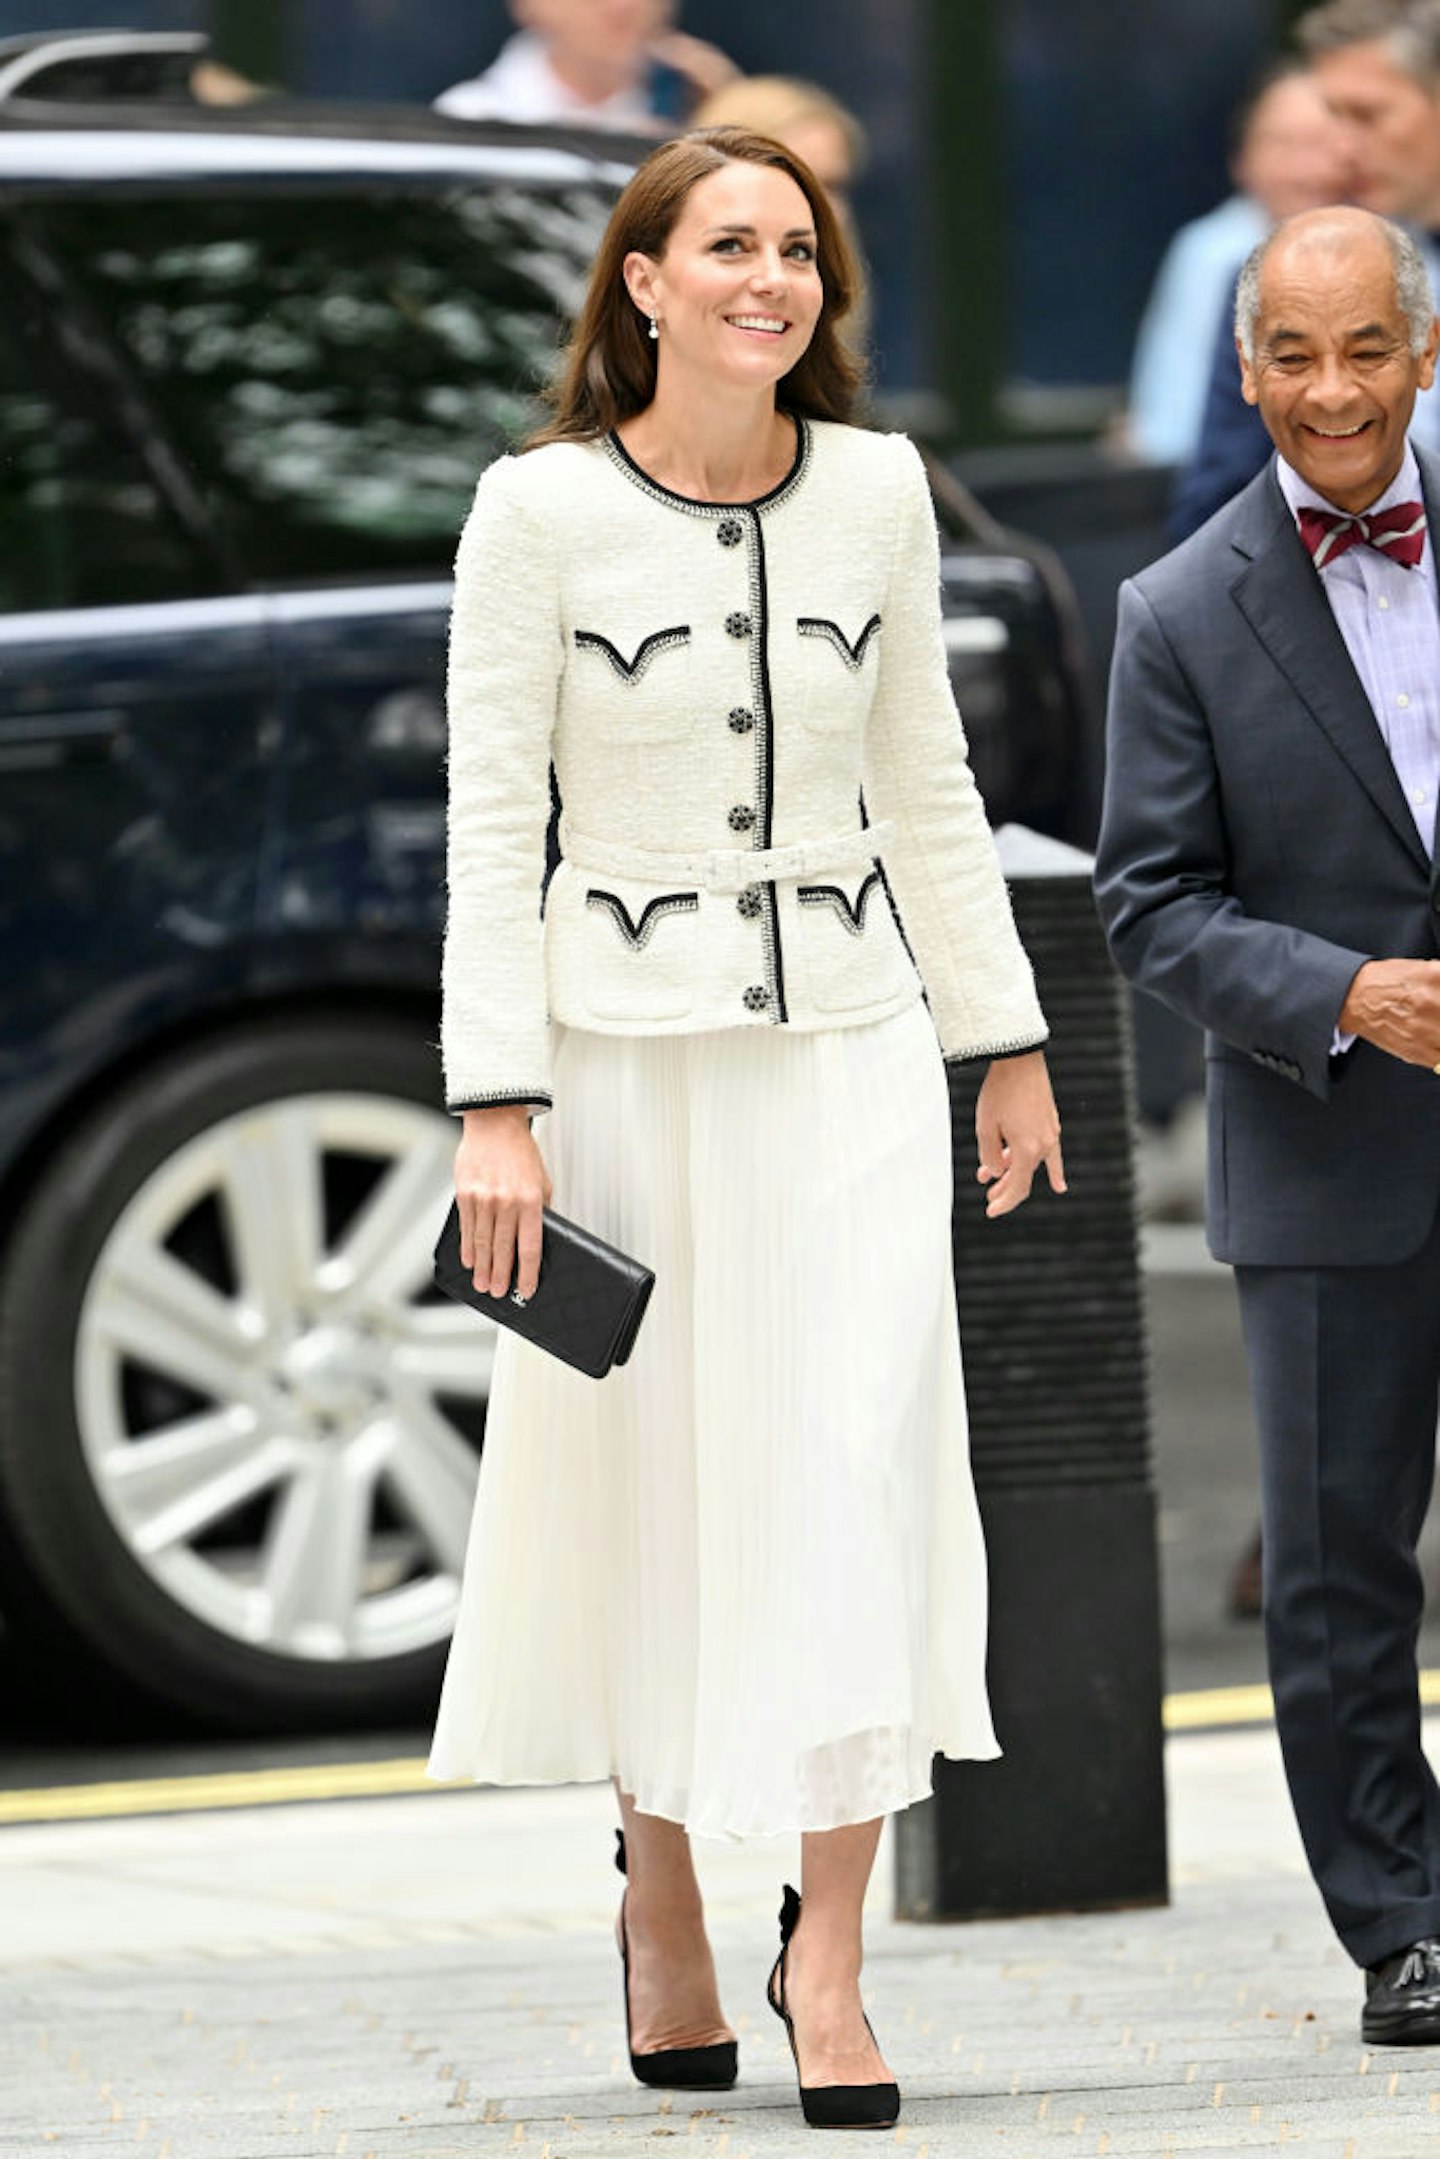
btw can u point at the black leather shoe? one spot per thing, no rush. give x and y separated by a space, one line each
1402 1998
694 2069
828 2106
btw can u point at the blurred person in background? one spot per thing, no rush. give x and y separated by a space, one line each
604 63
212 83
808 120
1266 866
1287 155
1377 65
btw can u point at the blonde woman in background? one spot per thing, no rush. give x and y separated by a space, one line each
813 125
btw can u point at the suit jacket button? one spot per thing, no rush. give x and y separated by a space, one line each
740 818
729 532
739 624
750 903
756 998
741 721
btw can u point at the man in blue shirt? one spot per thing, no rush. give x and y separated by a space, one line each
1287 156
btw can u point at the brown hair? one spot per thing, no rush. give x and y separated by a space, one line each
609 371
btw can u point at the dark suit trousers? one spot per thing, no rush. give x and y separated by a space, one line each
1345 1365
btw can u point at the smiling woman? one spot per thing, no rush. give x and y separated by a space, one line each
736 290
745 1577
686 232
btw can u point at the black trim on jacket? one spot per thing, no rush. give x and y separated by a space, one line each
822 626
638 934
853 916
645 651
536 1099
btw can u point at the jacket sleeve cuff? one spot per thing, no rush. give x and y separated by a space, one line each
990 1053
530 1098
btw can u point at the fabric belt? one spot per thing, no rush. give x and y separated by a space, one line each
727 869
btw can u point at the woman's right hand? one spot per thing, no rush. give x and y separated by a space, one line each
501 1185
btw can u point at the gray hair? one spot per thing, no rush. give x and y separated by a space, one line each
1412 283
1409 30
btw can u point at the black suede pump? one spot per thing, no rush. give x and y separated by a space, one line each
700 2069
828 2106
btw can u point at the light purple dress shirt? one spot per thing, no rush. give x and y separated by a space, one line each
1389 618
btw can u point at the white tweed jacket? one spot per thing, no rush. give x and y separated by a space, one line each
758 755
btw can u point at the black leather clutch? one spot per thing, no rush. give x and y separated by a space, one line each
588 1307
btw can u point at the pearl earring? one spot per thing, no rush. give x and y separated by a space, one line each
655 327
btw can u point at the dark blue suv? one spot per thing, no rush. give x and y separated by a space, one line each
250 367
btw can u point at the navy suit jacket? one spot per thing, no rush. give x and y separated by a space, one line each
1233 444
1256 848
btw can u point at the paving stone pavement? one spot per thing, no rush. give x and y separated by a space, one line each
436 1977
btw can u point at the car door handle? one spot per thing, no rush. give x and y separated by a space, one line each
36 742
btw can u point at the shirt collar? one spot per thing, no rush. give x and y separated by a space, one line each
523 74
1405 487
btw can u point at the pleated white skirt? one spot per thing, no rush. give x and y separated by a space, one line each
744 1574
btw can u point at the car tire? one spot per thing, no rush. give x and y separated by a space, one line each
239 1432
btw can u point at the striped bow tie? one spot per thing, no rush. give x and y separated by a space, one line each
1399 532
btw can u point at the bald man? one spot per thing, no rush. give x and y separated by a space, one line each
1267 867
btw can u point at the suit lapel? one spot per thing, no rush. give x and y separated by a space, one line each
1281 597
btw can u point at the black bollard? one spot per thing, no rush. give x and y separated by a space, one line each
1051 1327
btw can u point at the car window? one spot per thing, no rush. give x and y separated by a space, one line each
82 520
335 369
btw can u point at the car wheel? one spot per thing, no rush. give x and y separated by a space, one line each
239 1430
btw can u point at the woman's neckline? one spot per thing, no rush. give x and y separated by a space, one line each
693 503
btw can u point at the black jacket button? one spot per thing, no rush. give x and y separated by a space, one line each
740 818
756 998
729 532
738 624
750 903
741 721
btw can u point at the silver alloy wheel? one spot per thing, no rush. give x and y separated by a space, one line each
308 1494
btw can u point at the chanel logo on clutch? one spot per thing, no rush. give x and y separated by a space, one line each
595 1296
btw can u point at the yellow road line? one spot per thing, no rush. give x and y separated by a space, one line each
1210 1709
1217 1706
1213 1708
229 1788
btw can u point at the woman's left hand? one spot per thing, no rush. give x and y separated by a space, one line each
1018 1127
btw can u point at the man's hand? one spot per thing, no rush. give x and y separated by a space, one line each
1396 1005
703 66
1017 1127
502 1185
